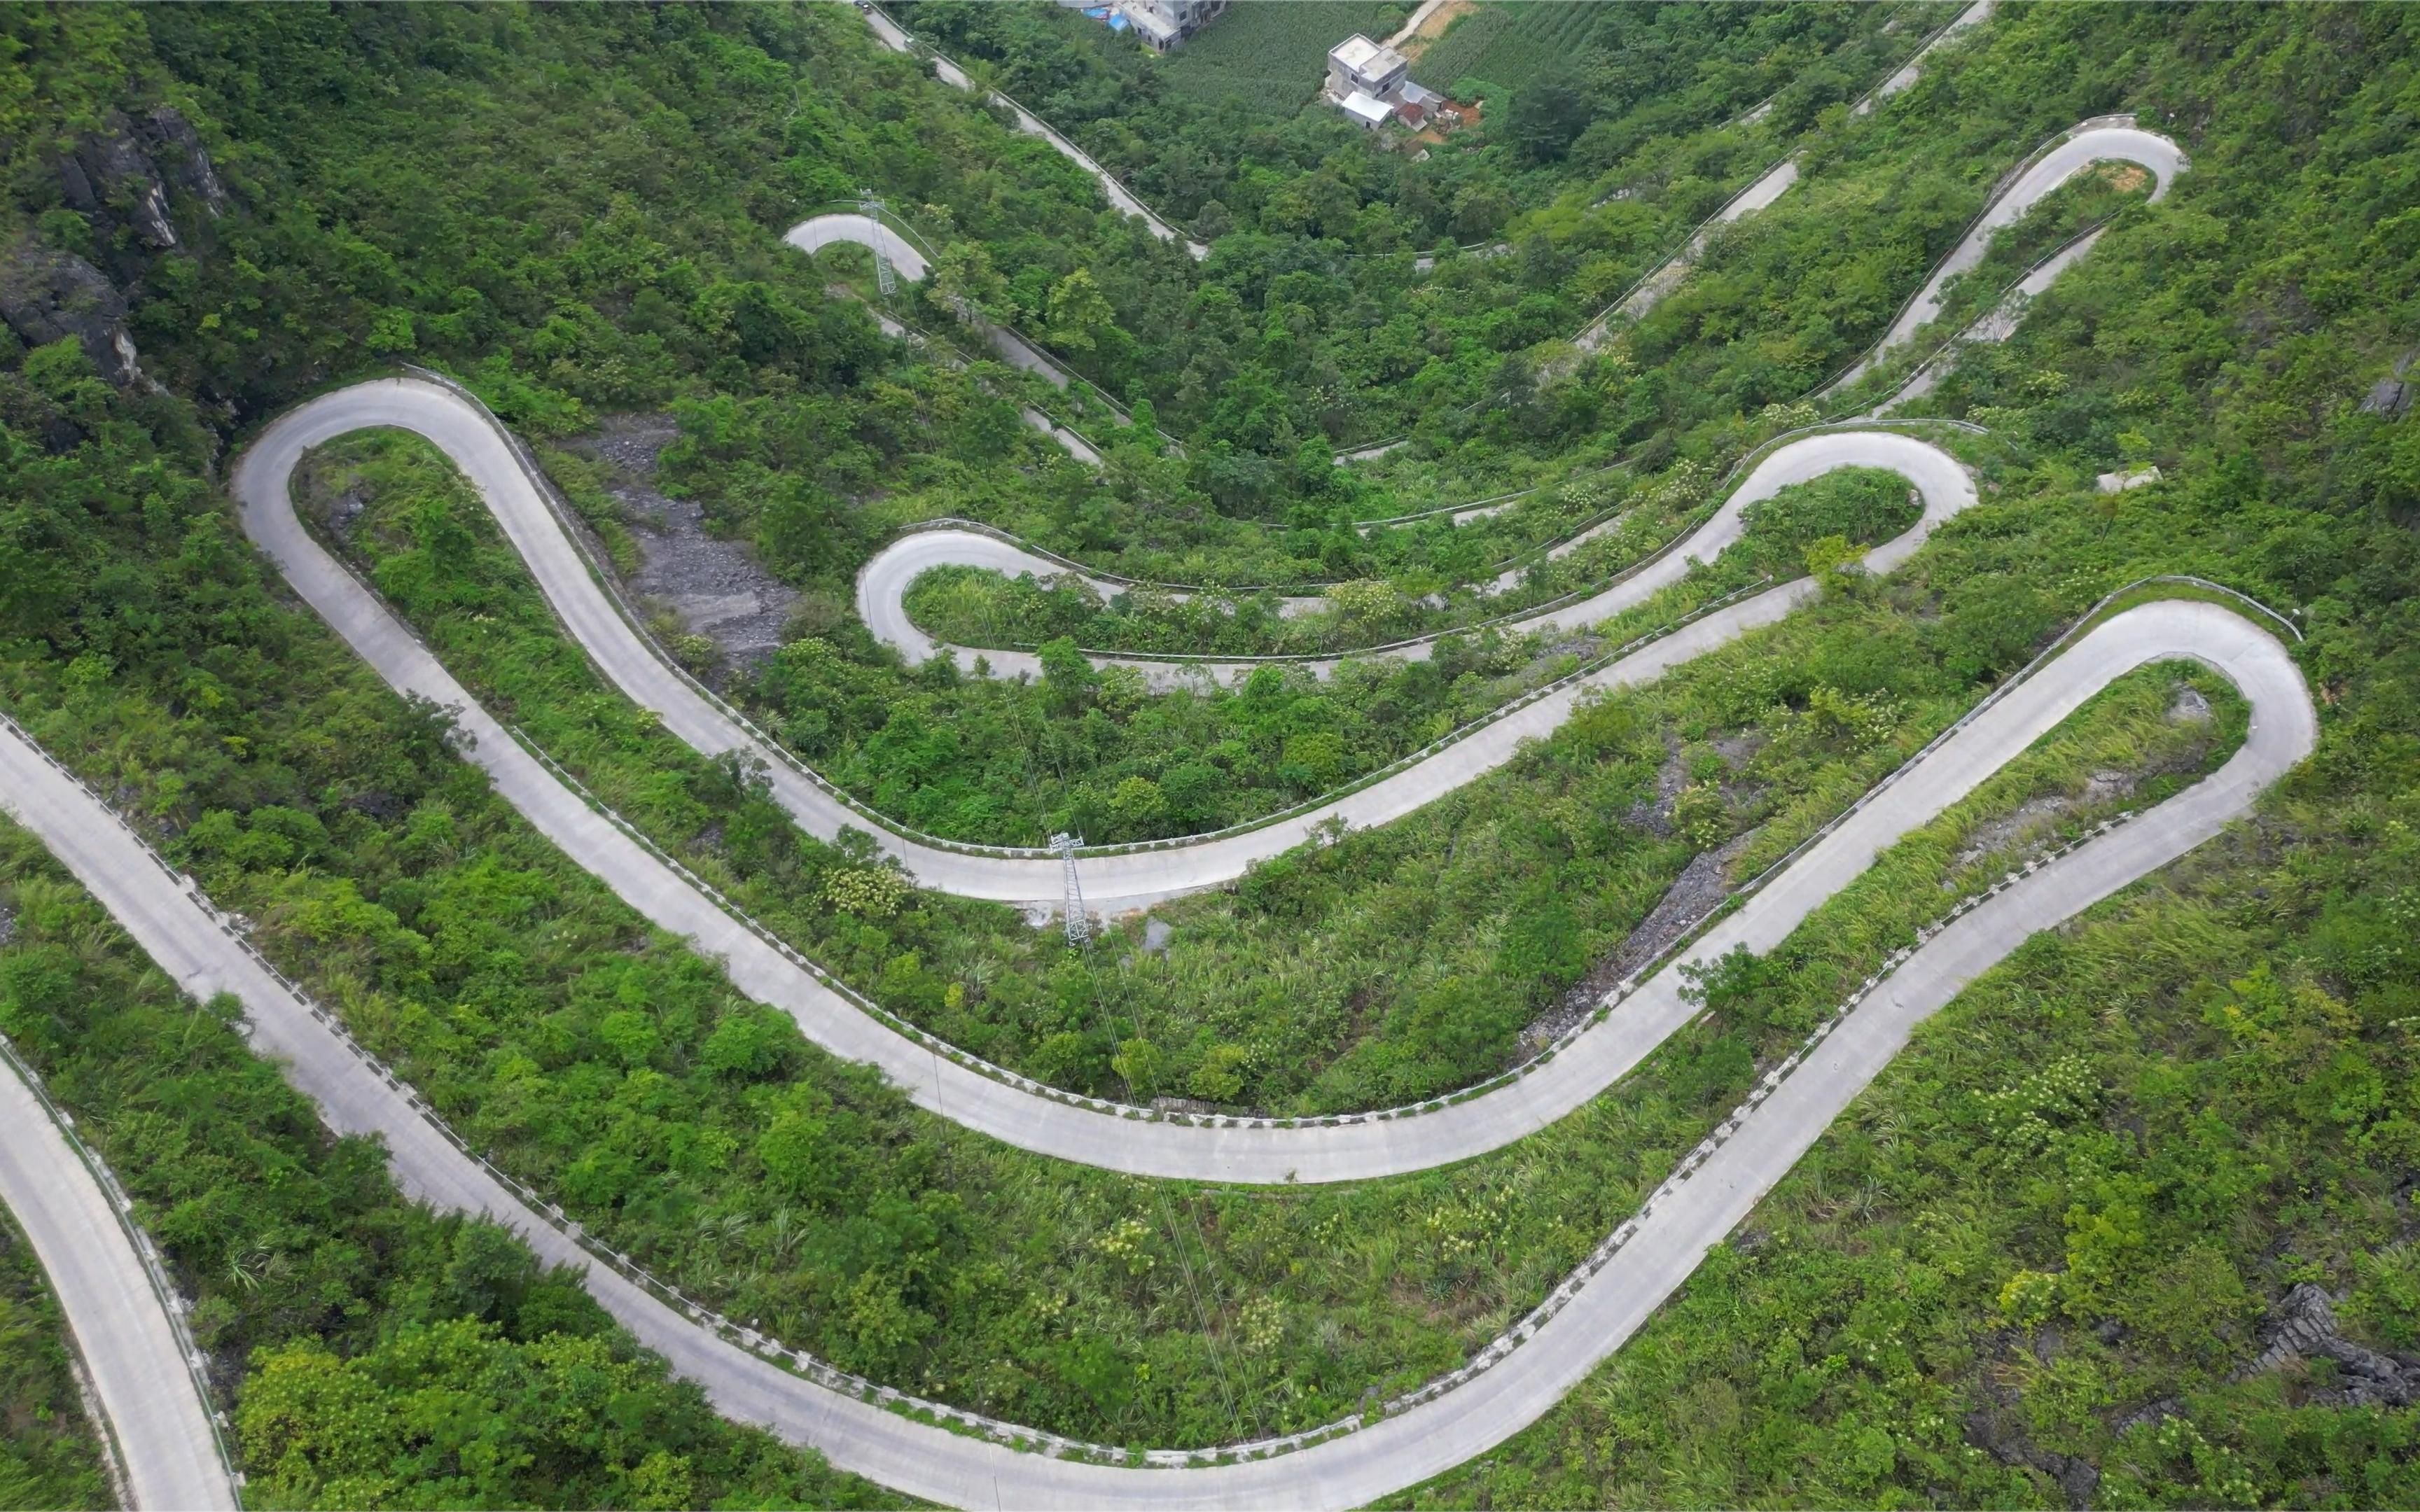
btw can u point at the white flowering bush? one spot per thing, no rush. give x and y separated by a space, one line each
869 892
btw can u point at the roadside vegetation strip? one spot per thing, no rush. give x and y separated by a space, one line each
2101 139
894 238
2042 171
2147 591
899 40
1760 191
2057 159
966 1457
1997 323
1973 15
884 582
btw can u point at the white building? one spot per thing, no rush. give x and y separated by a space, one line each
1368 111
1373 84
1165 24
1359 66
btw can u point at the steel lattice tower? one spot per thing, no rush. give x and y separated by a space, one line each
884 278
1079 924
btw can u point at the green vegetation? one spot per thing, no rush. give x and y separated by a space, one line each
1507 44
1618 75
701 1134
49 1454
2053 1227
2090 199
2072 1201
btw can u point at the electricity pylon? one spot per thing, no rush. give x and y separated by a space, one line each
1079 924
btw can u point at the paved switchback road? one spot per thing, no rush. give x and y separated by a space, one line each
2079 150
1015 1108
1509 1385
883 582
157 1421
1113 881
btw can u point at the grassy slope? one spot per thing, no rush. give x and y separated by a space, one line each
1506 44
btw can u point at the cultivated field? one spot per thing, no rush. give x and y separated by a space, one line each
1508 43
1271 54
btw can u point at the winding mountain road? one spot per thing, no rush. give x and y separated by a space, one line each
158 1424
883 582
1114 880
1512 1382
2116 142
1974 15
1015 1108
1508 1385
1123 200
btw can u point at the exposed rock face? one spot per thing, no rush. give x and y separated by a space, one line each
109 174
716 587
1999 1431
122 172
46 294
176 149
2303 1326
2392 396
118 176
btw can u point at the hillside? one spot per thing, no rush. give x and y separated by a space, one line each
1796 890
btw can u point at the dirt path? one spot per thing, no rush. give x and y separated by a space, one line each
1427 24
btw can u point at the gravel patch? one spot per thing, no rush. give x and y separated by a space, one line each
714 587
2028 819
1699 889
1655 817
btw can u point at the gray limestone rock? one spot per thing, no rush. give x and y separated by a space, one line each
176 151
46 294
110 173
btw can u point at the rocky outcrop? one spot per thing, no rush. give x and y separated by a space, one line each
2392 396
122 171
109 174
46 294
177 151
2303 1327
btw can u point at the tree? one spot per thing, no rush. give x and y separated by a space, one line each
1548 116
1066 675
1079 316
964 280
